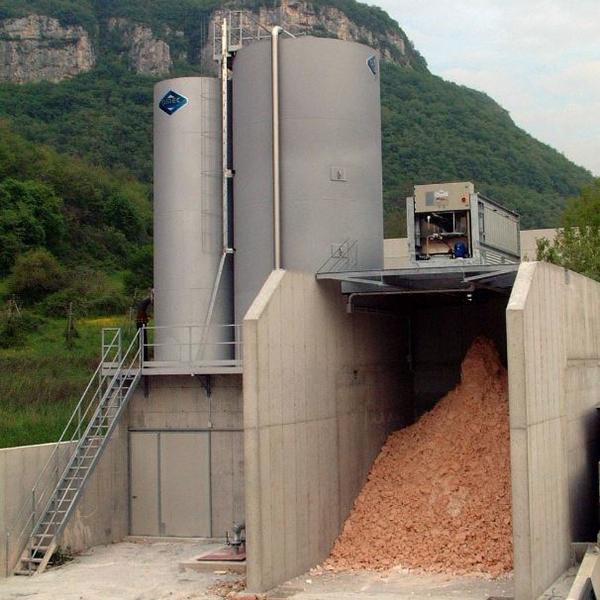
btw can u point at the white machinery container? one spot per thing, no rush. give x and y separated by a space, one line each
449 223
188 222
330 160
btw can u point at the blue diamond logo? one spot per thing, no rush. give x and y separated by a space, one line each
172 102
372 64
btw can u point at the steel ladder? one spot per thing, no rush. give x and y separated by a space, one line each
61 482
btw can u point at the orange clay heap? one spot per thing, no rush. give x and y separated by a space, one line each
438 495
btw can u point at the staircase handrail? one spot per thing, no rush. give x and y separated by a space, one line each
118 378
44 484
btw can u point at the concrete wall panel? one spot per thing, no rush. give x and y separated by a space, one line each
553 327
322 390
102 515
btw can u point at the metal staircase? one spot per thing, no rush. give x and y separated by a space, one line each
34 535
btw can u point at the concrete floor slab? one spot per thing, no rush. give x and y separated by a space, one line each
396 585
125 571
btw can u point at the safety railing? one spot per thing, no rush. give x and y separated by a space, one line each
101 383
342 257
192 348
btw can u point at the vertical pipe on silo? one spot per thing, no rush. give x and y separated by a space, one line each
276 167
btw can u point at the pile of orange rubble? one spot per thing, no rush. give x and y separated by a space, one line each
438 495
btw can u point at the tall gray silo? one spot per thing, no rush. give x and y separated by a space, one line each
330 148
188 220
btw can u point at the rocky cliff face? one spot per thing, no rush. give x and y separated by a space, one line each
38 47
147 55
303 18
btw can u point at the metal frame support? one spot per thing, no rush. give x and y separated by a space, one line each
226 175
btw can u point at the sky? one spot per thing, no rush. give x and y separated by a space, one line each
539 59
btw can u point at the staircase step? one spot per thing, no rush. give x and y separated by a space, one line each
63 498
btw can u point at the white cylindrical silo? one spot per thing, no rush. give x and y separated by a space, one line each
188 221
330 160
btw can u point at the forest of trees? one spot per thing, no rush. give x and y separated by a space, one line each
95 186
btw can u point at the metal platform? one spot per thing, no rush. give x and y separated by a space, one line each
427 280
182 350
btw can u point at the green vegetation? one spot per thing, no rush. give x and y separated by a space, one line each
46 378
104 116
76 175
67 234
577 244
434 130
83 215
68 12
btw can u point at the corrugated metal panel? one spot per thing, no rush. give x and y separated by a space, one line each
492 257
500 229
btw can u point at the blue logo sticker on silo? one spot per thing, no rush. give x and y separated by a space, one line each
172 102
372 64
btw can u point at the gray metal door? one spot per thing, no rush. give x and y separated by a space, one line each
170 484
144 483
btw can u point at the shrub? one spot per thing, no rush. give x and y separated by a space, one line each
14 326
89 291
34 275
30 217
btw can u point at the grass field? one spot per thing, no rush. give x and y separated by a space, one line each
42 379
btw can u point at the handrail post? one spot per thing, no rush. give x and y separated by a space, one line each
7 550
142 341
33 508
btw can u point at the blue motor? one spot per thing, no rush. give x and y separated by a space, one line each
460 250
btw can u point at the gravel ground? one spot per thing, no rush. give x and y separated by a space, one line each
150 571
126 571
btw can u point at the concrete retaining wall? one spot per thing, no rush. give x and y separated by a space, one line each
322 390
102 515
553 332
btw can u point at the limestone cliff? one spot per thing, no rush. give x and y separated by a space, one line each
38 47
147 55
304 17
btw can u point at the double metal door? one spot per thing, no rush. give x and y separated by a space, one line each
170 483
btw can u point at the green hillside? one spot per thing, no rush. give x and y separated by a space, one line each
432 129
76 182
83 215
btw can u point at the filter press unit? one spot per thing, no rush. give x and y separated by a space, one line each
448 221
